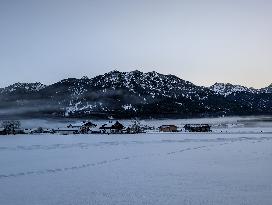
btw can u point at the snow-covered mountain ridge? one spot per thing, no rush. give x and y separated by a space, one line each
25 87
130 94
226 89
151 81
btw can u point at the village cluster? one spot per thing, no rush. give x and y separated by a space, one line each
112 127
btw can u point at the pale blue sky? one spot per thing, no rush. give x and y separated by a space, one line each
200 41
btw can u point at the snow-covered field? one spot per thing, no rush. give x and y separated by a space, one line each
187 169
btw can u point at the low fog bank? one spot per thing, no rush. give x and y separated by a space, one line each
250 121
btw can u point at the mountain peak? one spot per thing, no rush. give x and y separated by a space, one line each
135 72
85 78
37 86
114 72
226 89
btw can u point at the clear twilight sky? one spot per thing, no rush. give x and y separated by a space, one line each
202 41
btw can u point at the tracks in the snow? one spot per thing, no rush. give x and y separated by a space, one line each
56 170
222 141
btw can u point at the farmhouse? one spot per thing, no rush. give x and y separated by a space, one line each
168 128
18 131
197 128
95 130
82 124
86 127
76 125
66 131
114 128
82 127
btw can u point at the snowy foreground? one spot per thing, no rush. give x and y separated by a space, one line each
136 169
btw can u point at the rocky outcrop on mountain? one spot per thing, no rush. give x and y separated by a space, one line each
267 89
226 89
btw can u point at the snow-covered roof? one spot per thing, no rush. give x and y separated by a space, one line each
163 126
79 124
197 125
95 129
66 129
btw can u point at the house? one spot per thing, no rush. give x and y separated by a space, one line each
80 124
147 128
112 128
3 131
83 127
27 131
168 128
47 131
197 128
66 131
76 125
95 130
37 130
89 124
19 131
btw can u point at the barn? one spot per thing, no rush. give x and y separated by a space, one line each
197 128
113 128
168 128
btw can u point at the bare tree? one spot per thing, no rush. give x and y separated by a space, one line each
136 126
11 125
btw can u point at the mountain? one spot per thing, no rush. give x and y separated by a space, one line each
132 94
267 89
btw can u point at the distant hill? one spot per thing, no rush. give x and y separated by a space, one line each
132 94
